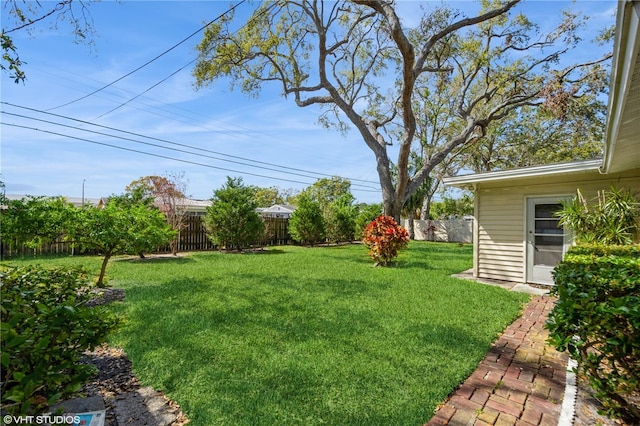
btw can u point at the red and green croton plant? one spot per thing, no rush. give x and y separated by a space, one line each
384 238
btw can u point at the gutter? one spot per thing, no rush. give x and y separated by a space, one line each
625 47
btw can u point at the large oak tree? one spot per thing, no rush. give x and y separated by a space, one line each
359 62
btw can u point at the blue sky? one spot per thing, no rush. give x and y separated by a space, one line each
223 124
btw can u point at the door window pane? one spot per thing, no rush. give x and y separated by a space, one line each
547 210
548 250
548 226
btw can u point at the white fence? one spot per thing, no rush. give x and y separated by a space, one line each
452 230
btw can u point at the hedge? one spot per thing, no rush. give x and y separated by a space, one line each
597 320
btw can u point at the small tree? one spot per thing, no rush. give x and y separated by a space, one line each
306 224
118 229
232 221
613 217
384 238
340 219
168 193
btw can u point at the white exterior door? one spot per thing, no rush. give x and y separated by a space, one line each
546 240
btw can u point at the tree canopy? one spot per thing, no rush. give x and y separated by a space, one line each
361 65
26 15
34 220
119 229
168 194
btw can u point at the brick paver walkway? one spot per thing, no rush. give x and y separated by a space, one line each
520 382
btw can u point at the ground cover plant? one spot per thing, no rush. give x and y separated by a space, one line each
311 336
46 326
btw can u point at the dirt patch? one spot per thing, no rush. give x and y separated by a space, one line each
587 406
101 296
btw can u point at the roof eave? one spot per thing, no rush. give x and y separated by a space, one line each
467 181
625 47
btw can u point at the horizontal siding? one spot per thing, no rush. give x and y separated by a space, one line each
500 274
502 258
501 216
500 234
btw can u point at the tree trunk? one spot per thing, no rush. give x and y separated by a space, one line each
174 244
100 283
411 226
425 211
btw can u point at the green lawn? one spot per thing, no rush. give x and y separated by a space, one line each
306 336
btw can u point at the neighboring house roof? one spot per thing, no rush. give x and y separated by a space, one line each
622 136
76 201
278 208
190 205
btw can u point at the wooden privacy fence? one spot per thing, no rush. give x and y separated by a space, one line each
193 237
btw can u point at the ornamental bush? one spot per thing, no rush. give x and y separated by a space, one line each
597 319
340 220
384 238
232 221
306 224
613 217
45 328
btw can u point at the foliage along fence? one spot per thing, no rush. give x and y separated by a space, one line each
193 237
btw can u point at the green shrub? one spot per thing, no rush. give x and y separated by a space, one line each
384 238
45 327
597 319
306 224
340 220
613 217
366 213
232 221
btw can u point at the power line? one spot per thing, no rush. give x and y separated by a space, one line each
160 146
175 144
151 60
189 118
147 90
264 11
160 155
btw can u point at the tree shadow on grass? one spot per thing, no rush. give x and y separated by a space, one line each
159 259
244 346
260 250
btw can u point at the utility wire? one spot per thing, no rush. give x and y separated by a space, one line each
162 147
179 69
147 90
151 60
161 156
174 143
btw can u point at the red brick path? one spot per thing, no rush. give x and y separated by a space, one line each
520 382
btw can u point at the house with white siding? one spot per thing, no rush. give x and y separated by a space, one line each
516 237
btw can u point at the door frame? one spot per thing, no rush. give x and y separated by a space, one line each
529 237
